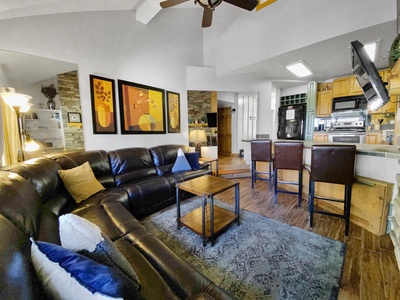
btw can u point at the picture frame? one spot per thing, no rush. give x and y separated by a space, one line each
142 108
74 117
173 112
102 92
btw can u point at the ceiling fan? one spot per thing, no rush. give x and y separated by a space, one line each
210 5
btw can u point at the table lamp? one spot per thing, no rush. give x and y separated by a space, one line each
197 136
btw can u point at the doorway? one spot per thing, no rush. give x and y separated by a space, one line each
225 131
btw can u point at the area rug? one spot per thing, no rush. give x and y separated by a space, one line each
260 259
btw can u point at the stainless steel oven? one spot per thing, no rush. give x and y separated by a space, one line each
346 137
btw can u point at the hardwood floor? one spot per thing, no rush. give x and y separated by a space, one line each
370 268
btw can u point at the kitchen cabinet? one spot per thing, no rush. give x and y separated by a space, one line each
324 103
388 108
373 138
341 87
320 137
355 88
45 126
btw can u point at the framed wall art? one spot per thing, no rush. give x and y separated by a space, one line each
102 92
74 117
173 110
142 108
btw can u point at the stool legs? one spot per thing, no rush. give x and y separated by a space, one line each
346 203
254 173
299 184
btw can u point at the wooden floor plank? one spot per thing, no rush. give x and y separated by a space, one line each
391 275
372 287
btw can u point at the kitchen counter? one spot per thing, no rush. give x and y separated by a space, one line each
390 151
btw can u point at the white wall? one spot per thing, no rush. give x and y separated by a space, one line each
294 90
113 45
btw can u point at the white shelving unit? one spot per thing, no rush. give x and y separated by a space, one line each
46 126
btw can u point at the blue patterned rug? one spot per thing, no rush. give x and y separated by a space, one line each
260 259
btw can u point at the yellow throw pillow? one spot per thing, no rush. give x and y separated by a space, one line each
81 182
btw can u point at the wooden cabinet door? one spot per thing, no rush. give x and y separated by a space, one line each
324 103
320 137
225 131
341 87
355 88
373 138
390 107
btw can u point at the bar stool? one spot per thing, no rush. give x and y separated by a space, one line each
288 156
261 150
332 164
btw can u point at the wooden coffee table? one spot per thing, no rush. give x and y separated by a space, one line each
207 220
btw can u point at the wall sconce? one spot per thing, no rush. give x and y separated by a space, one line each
197 136
19 102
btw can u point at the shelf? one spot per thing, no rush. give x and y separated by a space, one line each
293 99
198 125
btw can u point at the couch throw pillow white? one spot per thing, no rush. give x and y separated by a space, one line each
84 237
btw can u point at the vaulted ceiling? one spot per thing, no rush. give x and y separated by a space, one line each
333 62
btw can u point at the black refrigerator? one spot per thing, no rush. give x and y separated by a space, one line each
291 122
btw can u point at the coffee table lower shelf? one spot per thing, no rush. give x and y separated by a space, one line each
222 218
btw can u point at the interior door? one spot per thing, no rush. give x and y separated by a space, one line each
225 131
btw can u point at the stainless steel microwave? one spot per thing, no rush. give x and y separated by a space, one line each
349 103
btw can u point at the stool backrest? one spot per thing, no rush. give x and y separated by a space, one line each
261 150
333 163
288 155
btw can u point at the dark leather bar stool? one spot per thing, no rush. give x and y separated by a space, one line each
261 150
332 164
288 156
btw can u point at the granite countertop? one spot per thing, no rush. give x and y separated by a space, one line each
389 151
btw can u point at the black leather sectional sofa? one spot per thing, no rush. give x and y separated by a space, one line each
138 181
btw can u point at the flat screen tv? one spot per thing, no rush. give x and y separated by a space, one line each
368 77
212 119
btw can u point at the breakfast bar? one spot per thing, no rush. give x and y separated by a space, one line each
375 183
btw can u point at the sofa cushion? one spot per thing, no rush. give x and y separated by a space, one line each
164 157
131 164
81 235
80 182
181 163
20 203
69 275
98 160
42 173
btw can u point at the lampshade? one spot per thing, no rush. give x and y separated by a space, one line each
15 99
197 136
30 144
24 109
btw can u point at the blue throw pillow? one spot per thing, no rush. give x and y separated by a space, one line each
69 275
82 236
193 159
181 163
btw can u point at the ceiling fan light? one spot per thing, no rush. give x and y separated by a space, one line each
209 3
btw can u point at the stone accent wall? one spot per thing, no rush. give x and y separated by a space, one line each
395 232
68 90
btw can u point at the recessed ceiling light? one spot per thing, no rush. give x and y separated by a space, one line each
300 69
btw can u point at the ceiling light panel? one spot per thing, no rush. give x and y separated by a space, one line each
300 69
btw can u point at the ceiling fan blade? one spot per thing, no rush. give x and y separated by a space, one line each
245 4
207 18
169 3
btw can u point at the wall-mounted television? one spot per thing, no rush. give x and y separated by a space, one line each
212 119
368 77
